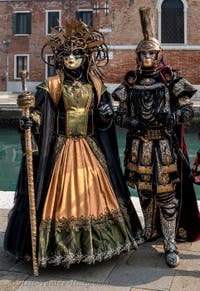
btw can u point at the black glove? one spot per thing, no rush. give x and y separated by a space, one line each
25 123
105 112
139 124
133 124
167 119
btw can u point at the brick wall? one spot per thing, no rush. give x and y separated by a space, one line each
121 27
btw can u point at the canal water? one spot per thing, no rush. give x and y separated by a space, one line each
10 156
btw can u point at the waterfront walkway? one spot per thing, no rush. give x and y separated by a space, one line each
8 100
140 270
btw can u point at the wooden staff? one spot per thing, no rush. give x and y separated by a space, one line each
26 100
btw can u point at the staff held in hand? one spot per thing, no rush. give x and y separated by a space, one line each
26 100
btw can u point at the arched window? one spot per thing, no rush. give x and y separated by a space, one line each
172 21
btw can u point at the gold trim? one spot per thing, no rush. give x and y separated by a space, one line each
97 84
36 116
54 84
144 186
88 105
140 169
166 188
145 169
182 233
168 169
144 139
132 167
43 86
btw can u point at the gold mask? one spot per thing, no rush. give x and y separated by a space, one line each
73 62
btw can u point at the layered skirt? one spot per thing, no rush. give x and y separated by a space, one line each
82 220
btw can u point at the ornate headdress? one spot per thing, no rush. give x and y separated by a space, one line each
149 43
77 36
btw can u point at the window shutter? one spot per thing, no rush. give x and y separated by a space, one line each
14 23
29 22
53 20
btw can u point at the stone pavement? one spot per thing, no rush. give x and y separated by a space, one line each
140 270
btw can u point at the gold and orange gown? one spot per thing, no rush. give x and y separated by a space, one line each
82 219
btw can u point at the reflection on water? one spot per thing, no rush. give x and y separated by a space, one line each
10 156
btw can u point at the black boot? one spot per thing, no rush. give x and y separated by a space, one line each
172 257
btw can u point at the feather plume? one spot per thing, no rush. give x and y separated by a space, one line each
146 22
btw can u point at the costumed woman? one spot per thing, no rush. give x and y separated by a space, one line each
156 160
84 211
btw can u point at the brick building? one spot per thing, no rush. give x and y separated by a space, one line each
24 26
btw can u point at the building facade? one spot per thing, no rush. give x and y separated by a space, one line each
24 26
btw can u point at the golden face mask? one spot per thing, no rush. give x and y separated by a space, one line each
73 62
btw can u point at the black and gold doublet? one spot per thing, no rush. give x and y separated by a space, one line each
153 112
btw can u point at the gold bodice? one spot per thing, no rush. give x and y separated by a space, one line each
77 99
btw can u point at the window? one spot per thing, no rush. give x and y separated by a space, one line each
52 20
22 23
50 70
21 62
85 16
172 21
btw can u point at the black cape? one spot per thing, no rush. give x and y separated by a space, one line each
18 237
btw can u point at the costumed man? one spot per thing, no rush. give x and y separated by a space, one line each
154 111
84 211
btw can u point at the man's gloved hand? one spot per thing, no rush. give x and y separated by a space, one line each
167 119
138 124
105 112
25 122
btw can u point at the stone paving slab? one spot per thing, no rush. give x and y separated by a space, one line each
11 281
6 260
3 219
184 282
144 269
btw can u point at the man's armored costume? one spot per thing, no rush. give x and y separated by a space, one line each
158 104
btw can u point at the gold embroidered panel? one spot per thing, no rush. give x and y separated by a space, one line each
77 100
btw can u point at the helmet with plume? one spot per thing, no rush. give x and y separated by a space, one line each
149 43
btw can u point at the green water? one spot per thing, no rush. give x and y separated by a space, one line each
10 156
